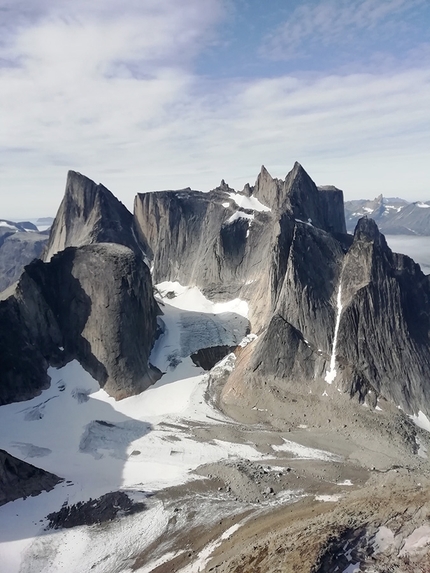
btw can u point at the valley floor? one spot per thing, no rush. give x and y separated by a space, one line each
226 491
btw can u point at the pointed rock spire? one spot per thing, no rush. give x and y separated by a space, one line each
88 214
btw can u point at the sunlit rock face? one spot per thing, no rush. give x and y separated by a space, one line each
88 214
356 318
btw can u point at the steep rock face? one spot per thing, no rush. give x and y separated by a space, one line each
375 304
299 195
207 240
20 479
233 244
88 214
385 325
93 304
30 339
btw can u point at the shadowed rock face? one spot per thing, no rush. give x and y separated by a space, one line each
20 479
93 304
383 333
89 214
208 240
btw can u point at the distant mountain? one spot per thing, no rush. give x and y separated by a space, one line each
394 216
20 243
45 221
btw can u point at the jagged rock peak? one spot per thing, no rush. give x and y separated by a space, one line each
267 189
89 213
264 174
248 190
367 230
223 186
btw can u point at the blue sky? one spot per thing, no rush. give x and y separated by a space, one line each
163 94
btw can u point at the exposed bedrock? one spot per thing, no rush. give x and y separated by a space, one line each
20 479
383 315
88 214
384 327
235 244
300 197
93 304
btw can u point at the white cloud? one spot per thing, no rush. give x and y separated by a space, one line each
115 97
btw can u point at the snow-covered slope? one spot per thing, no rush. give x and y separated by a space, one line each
141 444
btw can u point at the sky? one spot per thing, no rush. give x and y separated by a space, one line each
145 95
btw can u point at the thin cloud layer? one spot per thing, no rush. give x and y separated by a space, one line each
340 23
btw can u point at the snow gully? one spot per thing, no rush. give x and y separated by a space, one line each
331 373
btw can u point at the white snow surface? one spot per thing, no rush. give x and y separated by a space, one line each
240 215
328 498
141 444
205 554
421 421
248 202
7 226
304 452
331 373
192 299
423 205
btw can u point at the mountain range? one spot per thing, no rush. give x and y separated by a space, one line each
328 334
393 216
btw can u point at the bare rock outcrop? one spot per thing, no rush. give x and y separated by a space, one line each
359 321
20 479
235 244
88 214
94 304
